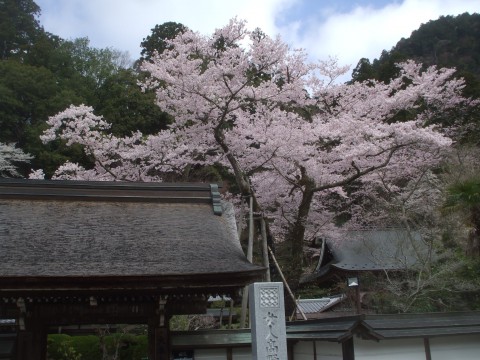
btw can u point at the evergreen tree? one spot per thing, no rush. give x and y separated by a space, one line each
19 27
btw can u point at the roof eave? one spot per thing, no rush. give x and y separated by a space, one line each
145 283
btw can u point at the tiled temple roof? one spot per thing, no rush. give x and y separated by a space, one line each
67 233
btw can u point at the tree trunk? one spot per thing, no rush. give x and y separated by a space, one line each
296 236
473 246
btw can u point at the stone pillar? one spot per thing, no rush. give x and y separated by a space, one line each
267 315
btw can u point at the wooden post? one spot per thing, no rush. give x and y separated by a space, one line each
230 314
243 316
162 346
250 231
158 334
221 315
151 338
32 337
348 350
240 220
24 345
358 300
32 345
290 352
266 263
39 341
428 353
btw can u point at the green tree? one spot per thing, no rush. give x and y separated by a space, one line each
464 196
120 100
18 27
363 71
27 96
383 69
156 40
40 75
92 64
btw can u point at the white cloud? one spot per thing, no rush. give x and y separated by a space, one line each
366 31
323 30
123 24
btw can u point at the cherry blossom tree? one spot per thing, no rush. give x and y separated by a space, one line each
10 157
293 138
131 158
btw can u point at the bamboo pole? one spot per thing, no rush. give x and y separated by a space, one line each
286 284
322 254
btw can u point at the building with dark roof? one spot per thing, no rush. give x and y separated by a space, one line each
315 308
368 251
109 252
437 336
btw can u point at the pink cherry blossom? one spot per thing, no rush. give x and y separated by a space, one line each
290 134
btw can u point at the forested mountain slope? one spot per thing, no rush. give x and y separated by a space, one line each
446 42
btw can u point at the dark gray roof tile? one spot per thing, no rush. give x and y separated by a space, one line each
58 237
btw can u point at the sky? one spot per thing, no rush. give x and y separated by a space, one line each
345 29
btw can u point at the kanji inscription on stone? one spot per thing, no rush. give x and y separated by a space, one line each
267 314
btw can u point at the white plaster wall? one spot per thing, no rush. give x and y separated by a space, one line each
399 349
455 347
303 350
241 354
442 348
210 354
